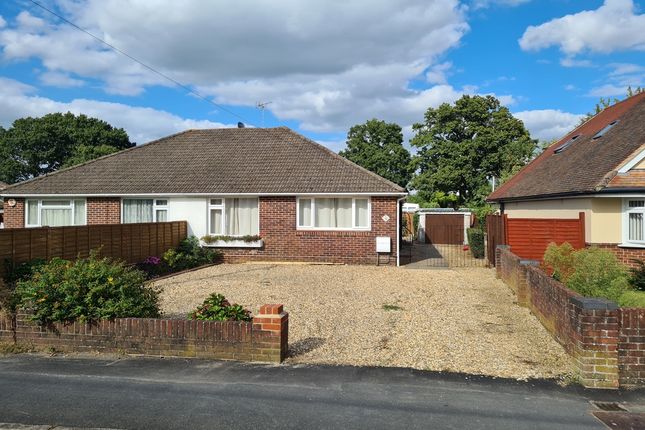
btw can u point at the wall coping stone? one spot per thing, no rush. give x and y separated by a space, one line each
529 262
592 303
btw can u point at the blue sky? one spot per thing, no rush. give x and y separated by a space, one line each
323 65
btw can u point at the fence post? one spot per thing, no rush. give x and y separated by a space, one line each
583 239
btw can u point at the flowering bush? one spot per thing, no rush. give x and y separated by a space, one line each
189 254
154 267
217 308
86 289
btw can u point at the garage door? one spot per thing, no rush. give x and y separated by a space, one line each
445 229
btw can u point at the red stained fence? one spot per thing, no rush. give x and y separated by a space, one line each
529 237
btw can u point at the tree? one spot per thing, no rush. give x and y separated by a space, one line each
378 147
461 147
604 103
35 146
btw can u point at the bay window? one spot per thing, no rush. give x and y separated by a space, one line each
144 210
233 216
634 224
329 213
55 212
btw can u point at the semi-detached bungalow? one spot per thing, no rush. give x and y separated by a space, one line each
598 169
304 201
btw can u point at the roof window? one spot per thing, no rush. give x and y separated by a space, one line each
565 145
602 132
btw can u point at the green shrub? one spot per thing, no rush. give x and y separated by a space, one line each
217 308
476 242
597 273
86 289
637 278
248 238
560 260
632 299
189 254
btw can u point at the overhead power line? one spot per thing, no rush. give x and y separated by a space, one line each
141 63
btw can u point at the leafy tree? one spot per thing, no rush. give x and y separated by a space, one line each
462 146
36 146
604 103
378 146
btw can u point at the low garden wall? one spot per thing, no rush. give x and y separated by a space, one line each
265 339
606 342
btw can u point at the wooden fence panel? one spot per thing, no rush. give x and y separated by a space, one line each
132 243
495 235
529 237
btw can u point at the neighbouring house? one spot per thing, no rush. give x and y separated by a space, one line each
2 187
595 175
305 202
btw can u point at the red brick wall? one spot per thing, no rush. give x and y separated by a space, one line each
283 242
14 217
587 328
631 348
264 339
103 210
624 255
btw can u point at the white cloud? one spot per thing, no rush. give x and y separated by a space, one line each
480 4
142 124
619 79
570 87
572 62
614 26
437 74
608 90
326 75
2 22
547 124
61 80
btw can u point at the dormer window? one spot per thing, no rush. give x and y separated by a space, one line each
602 132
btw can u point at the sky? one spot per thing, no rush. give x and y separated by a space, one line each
320 66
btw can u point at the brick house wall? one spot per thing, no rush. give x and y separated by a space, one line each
14 217
282 241
624 255
103 210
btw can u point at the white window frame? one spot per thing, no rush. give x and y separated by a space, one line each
222 207
155 207
71 206
313 213
626 211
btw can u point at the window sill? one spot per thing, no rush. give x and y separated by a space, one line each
234 244
631 245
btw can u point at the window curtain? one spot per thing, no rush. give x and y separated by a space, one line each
137 210
56 217
216 221
32 212
361 213
79 212
305 212
334 213
241 217
636 226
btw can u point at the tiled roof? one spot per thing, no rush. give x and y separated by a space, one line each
588 165
214 161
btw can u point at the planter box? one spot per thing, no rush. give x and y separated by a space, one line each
235 244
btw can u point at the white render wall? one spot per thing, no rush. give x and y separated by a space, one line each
191 209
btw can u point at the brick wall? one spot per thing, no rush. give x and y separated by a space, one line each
624 255
103 210
606 342
283 242
631 347
265 339
14 217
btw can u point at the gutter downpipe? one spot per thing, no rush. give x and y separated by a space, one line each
398 230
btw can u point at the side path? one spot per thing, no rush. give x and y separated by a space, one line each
137 393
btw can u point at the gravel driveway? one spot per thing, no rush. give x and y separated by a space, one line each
449 320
